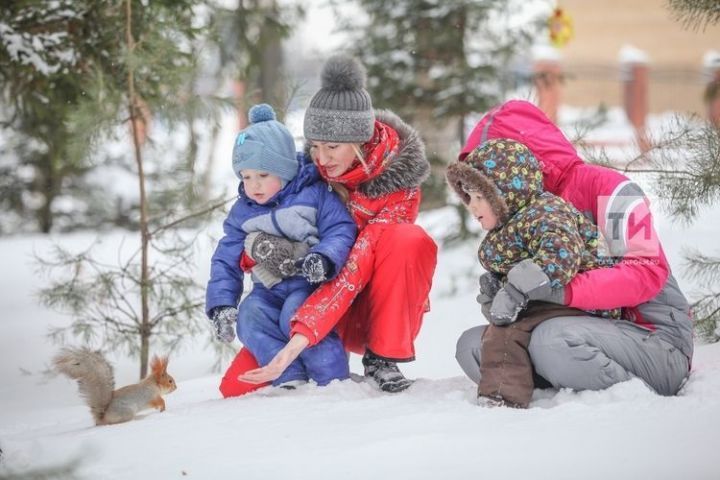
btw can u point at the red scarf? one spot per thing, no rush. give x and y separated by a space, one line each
377 152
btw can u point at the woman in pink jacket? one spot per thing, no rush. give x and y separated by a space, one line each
654 342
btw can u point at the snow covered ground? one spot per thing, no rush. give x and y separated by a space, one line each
349 429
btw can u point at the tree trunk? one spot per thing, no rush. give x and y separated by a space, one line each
134 107
272 86
440 137
48 191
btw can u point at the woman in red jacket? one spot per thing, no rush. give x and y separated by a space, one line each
377 163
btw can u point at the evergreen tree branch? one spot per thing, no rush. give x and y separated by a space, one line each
696 14
192 215
174 311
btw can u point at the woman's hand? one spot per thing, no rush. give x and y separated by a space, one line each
277 365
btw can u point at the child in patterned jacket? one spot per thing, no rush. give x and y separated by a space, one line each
536 243
291 232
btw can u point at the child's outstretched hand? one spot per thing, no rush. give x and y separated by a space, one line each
279 363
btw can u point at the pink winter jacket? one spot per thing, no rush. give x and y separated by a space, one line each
619 208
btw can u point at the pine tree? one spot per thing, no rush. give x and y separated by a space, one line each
699 183
686 191
434 62
45 50
151 294
684 163
148 79
249 42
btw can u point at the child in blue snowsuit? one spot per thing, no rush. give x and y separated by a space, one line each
292 232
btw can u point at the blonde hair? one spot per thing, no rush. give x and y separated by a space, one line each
359 154
338 187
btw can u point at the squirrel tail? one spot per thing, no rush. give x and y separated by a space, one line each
94 376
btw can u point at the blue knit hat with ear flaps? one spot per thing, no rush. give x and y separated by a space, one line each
265 145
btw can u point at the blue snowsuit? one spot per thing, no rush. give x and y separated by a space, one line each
305 210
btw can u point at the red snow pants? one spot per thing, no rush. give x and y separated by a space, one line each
387 314
230 386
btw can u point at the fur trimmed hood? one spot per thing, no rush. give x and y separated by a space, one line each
503 171
407 170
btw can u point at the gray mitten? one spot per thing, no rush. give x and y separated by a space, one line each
223 320
506 305
264 276
525 281
489 286
275 256
530 279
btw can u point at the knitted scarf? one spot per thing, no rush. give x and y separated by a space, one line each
377 152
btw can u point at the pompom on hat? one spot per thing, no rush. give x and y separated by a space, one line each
341 111
266 145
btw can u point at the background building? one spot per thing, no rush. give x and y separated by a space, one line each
677 80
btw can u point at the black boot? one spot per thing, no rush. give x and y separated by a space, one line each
385 373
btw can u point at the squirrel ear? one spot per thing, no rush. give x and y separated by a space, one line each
158 365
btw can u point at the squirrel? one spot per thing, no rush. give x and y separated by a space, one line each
96 384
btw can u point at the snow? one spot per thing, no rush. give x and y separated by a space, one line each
43 51
349 428
711 65
632 54
545 52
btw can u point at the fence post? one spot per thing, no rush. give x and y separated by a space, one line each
547 79
635 76
711 67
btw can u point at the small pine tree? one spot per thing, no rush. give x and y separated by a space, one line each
686 192
685 165
151 294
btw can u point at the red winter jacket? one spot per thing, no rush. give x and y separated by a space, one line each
388 194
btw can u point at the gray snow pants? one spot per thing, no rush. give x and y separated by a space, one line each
589 353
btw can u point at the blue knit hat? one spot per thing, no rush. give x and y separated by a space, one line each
265 145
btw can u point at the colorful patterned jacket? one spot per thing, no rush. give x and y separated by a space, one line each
532 223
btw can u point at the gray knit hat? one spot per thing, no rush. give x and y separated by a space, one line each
342 110
265 145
